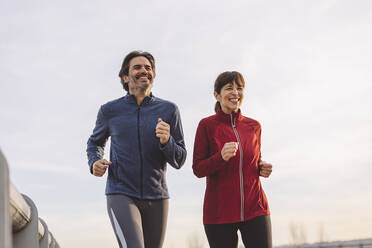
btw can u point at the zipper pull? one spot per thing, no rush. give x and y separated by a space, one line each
232 122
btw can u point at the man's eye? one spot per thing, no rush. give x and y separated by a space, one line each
148 68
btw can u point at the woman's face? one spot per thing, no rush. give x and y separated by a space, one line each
230 97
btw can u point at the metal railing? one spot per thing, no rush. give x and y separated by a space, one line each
335 246
362 243
21 226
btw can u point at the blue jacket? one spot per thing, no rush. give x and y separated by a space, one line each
138 159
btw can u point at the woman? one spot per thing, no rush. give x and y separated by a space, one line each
227 150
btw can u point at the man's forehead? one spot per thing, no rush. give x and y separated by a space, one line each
139 60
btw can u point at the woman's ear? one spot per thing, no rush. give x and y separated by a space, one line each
217 96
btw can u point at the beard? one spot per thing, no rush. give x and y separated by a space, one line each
139 84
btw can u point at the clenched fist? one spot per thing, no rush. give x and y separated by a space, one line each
229 150
100 166
162 131
265 168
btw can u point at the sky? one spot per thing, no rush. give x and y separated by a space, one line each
307 67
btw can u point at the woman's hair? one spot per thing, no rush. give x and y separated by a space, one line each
124 70
226 78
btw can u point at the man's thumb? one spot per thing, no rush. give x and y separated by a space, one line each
105 162
159 120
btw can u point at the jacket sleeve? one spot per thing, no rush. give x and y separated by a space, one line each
175 150
97 141
205 164
258 133
259 141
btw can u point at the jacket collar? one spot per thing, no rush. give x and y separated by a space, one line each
132 99
228 117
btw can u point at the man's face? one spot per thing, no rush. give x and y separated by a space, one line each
140 75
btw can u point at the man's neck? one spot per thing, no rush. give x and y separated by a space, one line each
140 94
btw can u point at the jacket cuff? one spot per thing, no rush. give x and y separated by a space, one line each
218 160
167 148
90 163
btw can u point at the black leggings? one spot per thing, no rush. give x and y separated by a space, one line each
256 233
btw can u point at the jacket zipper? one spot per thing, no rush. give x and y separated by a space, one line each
140 149
233 124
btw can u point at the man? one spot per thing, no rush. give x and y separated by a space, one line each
146 133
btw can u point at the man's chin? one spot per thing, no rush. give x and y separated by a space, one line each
144 85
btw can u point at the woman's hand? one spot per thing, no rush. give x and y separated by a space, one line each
229 150
265 168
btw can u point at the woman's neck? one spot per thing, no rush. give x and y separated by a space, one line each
229 111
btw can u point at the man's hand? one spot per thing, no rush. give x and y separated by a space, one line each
229 150
265 168
100 166
162 131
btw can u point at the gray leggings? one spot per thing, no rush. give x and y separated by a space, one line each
138 223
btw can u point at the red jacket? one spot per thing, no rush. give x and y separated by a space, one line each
234 192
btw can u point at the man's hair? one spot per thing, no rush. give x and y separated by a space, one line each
226 78
124 70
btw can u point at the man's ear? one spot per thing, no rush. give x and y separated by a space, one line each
125 78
